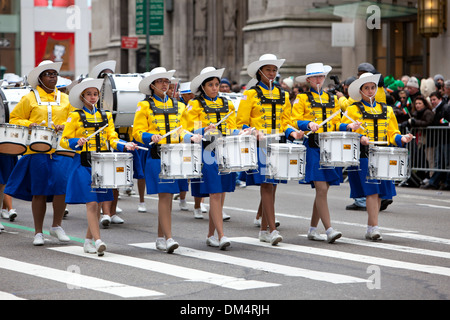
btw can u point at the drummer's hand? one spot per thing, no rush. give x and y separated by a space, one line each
313 127
131 146
210 127
33 125
246 131
156 138
297 135
407 138
260 135
196 138
82 141
59 127
365 140
355 125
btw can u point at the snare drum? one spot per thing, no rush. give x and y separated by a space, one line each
339 149
42 139
121 95
286 161
387 163
112 170
60 150
237 153
13 139
181 161
9 98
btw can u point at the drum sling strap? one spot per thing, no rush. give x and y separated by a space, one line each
217 111
166 112
86 155
314 138
375 118
273 102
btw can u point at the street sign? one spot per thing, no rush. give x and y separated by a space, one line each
130 42
156 17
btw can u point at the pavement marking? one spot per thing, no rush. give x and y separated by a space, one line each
260 265
77 280
433 206
188 274
4 296
420 237
348 256
393 247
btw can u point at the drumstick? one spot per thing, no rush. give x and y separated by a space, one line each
379 142
221 121
95 133
168 134
345 115
124 144
326 121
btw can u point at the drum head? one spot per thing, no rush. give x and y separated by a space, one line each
12 149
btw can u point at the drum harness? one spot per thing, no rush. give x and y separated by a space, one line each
375 118
217 111
156 151
314 137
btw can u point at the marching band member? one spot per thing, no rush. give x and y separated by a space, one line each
79 126
309 110
202 114
263 107
157 116
42 177
380 124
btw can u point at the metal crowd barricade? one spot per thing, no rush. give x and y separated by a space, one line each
430 151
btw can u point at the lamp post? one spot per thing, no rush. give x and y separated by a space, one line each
432 17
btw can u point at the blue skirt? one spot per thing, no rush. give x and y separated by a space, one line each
39 175
315 172
79 190
360 186
7 164
258 177
154 184
212 181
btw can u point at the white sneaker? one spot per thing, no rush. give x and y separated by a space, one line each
105 221
224 243
171 245
88 247
333 236
203 207
59 233
115 219
118 210
316 236
198 213
2 227
12 215
161 244
5 214
100 246
183 205
264 236
212 242
38 240
225 217
142 207
275 237
374 235
257 223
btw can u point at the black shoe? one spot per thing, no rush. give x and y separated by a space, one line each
385 203
428 187
354 207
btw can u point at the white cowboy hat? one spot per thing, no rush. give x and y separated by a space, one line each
208 72
33 76
95 73
75 93
355 88
314 69
157 73
264 60
63 82
185 88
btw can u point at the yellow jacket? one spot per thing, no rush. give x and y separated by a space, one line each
303 112
74 130
147 122
387 128
196 118
253 114
28 110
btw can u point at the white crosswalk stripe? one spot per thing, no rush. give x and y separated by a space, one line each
260 265
349 256
78 280
188 274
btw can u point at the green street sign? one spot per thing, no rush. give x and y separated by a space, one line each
155 17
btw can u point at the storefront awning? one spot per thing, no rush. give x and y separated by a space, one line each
362 9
